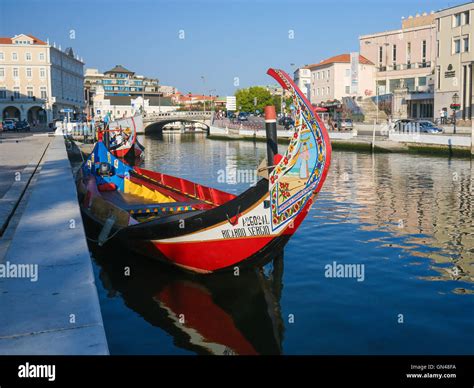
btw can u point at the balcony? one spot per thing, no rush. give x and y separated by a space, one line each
21 99
404 66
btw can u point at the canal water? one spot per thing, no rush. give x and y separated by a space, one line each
404 221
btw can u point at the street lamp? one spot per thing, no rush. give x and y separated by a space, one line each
455 107
204 94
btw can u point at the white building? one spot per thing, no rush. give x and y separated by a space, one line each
335 78
302 78
167 90
126 106
38 80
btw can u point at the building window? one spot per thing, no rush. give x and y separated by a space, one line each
14 56
328 74
28 56
16 92
348 72
456 20
423 51
421 81
2 72
348 89
408 55
322 74
394 54
456 46
15 72
42 72
327 91
29 92
43 92
410 84
380 55
317 91
437 48
41 56
438 77
3 93
28 72
467 19
2 56
465 44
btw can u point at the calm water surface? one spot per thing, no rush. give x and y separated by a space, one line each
408 219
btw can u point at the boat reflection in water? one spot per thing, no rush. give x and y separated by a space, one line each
215 314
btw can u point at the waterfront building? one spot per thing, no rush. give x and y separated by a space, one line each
334 78
189 100
126 106
39 80
220 102
454 60
404 60
118 81
166 90
302 78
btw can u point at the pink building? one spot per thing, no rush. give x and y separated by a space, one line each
405 61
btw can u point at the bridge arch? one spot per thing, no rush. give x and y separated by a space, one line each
157 127
154 123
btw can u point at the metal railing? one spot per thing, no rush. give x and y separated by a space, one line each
404 66
178 114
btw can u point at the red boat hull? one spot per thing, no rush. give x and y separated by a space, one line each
213 255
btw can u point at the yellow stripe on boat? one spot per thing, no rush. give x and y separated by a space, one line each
145 192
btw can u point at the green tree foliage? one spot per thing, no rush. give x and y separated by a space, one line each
246 99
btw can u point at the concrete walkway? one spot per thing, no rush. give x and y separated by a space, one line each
59 313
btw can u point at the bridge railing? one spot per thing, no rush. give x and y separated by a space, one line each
178 114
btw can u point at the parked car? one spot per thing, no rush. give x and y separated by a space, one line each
404 125
345 125
243 116
9 124
428 127
22 126
287 122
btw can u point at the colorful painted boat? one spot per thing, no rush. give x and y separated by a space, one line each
129 150
200 228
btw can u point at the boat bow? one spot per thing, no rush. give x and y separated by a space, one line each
301 171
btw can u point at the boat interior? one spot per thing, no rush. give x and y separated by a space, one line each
147 195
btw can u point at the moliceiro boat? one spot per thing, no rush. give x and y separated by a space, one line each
200 228
120 137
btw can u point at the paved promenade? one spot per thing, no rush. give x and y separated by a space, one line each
48 297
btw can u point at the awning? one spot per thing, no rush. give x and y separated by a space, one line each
419 96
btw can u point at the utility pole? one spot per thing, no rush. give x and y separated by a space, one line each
204 92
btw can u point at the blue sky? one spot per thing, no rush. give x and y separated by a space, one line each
222 39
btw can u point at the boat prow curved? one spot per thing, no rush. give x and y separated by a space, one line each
200 228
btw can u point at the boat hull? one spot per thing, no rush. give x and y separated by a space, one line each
200 251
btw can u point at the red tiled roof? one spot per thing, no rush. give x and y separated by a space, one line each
342 58
36 40
4 40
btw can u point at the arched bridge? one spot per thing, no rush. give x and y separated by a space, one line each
155 122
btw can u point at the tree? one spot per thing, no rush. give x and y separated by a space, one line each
246 99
